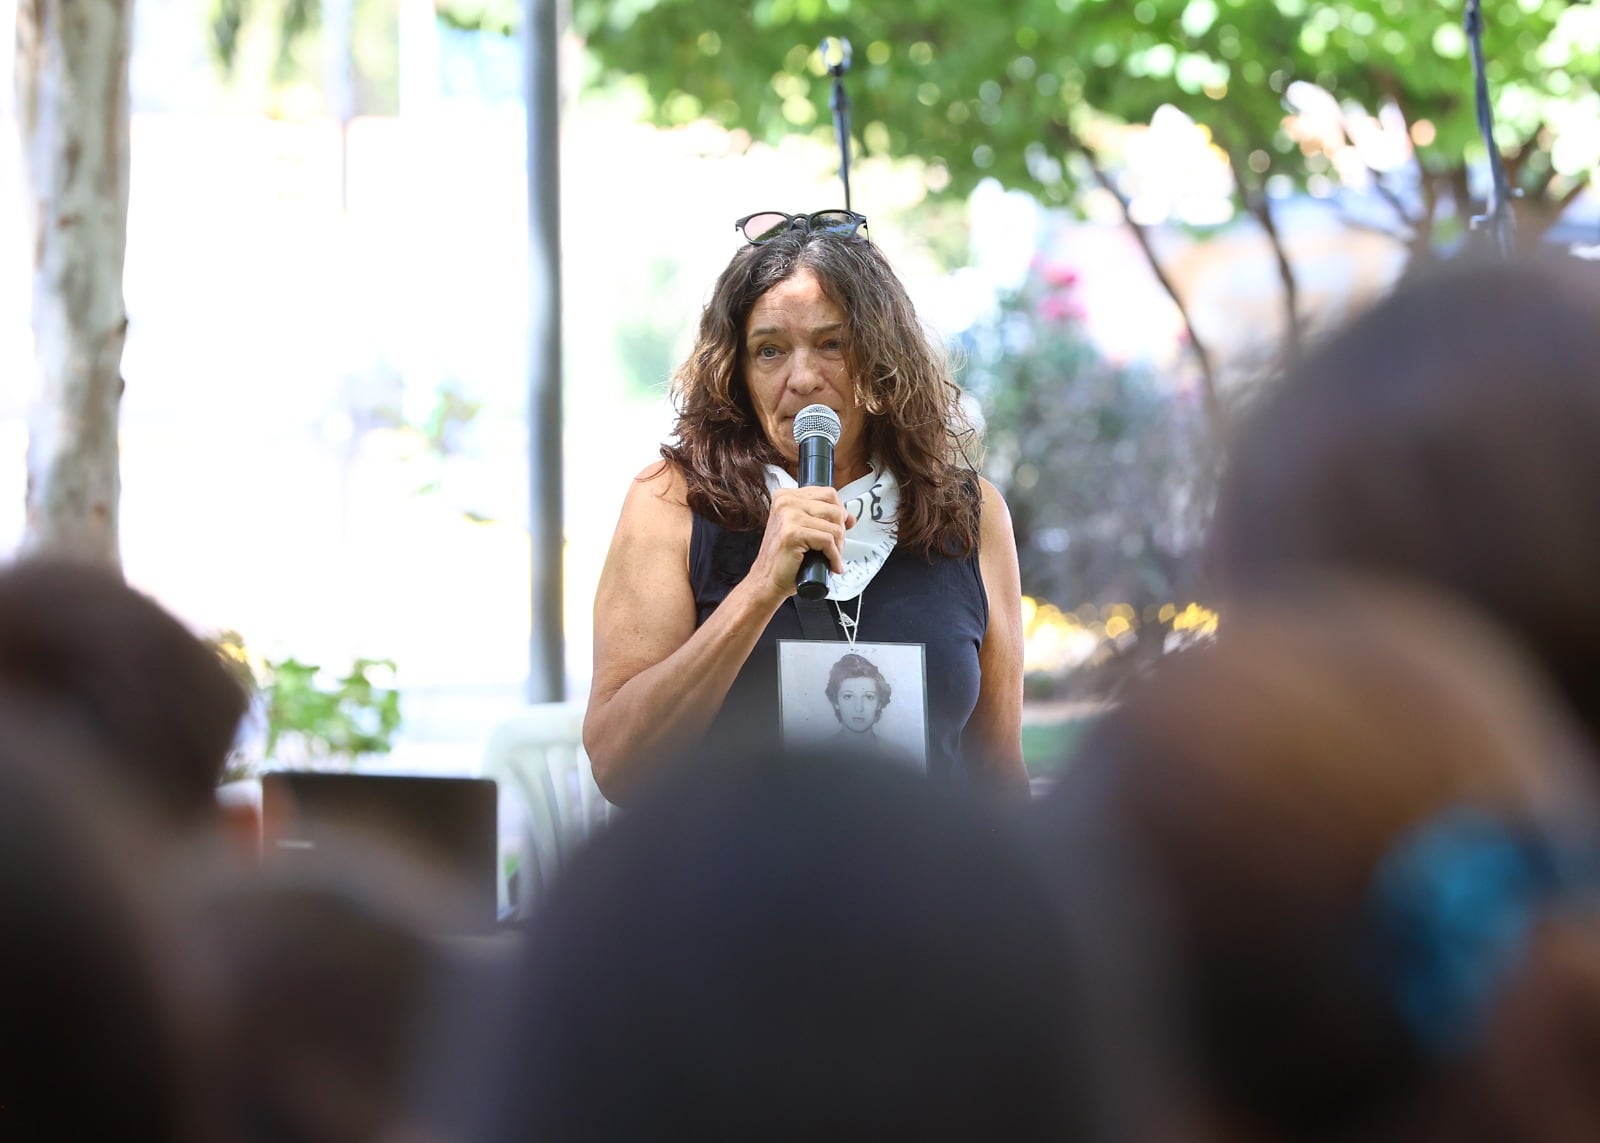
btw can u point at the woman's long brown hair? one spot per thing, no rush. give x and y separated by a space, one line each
915 422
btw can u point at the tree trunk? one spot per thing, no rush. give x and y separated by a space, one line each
72 101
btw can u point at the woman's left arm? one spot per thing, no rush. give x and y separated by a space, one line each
993 736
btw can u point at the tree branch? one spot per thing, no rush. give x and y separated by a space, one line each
1208 380
1259 205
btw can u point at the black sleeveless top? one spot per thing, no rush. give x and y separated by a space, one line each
939 602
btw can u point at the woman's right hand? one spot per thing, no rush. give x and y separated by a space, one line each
801 520
660 675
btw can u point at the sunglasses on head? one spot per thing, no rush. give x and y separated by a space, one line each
765 225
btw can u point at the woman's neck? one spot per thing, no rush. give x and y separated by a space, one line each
845 471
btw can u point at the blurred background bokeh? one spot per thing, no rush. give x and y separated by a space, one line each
1117 215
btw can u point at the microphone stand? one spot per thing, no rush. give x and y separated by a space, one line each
840 103
1502 225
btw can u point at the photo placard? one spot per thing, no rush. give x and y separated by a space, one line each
869 699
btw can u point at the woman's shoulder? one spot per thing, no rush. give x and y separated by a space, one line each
657 499
988 494
994 515
661 480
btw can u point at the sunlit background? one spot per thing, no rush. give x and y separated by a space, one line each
324 429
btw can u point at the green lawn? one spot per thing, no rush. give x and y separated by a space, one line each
1047 744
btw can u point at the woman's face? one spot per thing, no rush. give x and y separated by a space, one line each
794 356
857 704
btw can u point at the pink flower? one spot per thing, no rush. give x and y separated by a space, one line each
1057 307
1060 277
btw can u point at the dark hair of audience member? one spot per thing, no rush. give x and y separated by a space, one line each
1306 794
1447 435
82 648
98 1037
787 949
332 968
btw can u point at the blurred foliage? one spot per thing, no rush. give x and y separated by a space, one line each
278 44
444 432
1107 469
293 20
315 718
307 717
497 17
652 310
1017 89
453 413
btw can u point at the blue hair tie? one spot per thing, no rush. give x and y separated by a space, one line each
1453 905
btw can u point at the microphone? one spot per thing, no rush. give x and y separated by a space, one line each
816 431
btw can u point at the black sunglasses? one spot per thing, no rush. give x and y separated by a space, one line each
765 225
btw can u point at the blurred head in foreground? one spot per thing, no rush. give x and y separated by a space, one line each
1371 831
793 949
89 654
326 976
1448 435
96 1041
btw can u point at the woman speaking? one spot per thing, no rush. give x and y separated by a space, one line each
698 591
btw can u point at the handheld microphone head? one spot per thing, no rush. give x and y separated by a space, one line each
816 433
817 421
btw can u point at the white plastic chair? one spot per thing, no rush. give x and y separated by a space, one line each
536 757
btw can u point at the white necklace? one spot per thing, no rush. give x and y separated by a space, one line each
847 623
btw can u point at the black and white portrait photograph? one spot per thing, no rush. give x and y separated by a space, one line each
870 699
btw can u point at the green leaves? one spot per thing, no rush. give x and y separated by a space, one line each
988 90
294 20
307 716
341 719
